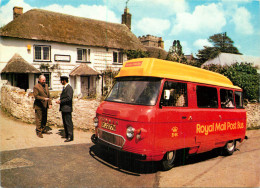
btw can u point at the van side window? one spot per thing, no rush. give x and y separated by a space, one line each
226 98
238 99
207 97
178 94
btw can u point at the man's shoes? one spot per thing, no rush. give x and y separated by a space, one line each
46 132
39 135
68 140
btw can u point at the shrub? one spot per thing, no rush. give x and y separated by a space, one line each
243 75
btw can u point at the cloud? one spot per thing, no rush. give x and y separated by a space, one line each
200 43
163 6
185 47
204 19
97 12
174 6
153 26
6 11
94 11
241 18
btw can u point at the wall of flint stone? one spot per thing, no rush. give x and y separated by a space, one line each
19 104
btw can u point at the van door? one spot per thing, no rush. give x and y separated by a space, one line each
206 116
171 115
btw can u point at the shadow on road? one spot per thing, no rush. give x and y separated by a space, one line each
124 163
197 158
61 133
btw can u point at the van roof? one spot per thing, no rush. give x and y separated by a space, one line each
153 67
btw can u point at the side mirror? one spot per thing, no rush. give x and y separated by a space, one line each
166 95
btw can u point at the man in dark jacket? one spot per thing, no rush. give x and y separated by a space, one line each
66 108
41 104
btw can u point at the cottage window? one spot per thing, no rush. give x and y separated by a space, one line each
42 53
83 55
117 57
48 78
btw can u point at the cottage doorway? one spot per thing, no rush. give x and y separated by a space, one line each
22 81
85 83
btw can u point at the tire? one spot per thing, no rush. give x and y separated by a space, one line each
169 160
229 148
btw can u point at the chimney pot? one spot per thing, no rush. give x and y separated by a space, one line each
17 11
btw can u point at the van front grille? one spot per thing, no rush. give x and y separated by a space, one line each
111 138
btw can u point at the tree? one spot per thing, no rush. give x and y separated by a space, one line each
175 52
221 43
132 54
243 75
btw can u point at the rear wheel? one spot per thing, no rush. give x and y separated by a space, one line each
229 148
169 160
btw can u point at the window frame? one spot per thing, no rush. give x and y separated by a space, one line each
223 105
42 53
186 94
235 101
217 97
85 52
118 57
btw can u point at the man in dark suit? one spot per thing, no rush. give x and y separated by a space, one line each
41 104
66 108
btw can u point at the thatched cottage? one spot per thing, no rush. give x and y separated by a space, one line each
54 44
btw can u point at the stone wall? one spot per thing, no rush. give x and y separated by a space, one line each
19 104
253 115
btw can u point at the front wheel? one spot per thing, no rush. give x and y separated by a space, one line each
229 148
169 160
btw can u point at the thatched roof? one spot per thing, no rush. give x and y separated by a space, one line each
18 65
45 25
83 70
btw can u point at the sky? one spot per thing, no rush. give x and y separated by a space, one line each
190 21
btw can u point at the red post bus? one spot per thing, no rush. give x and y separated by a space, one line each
158 108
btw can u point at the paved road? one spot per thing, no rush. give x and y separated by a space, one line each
80 164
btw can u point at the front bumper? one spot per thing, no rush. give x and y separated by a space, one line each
97 141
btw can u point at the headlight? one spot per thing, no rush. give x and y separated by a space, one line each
95 121
130 131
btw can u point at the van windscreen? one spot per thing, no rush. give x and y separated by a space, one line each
135 90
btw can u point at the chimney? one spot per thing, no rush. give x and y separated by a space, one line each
126 18
17 11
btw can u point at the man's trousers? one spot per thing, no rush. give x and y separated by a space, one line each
68 124
40 119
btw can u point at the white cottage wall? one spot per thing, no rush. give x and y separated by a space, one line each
101 59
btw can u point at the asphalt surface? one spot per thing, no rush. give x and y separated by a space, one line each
70 166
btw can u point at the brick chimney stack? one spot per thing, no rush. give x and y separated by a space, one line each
126 18
17 11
